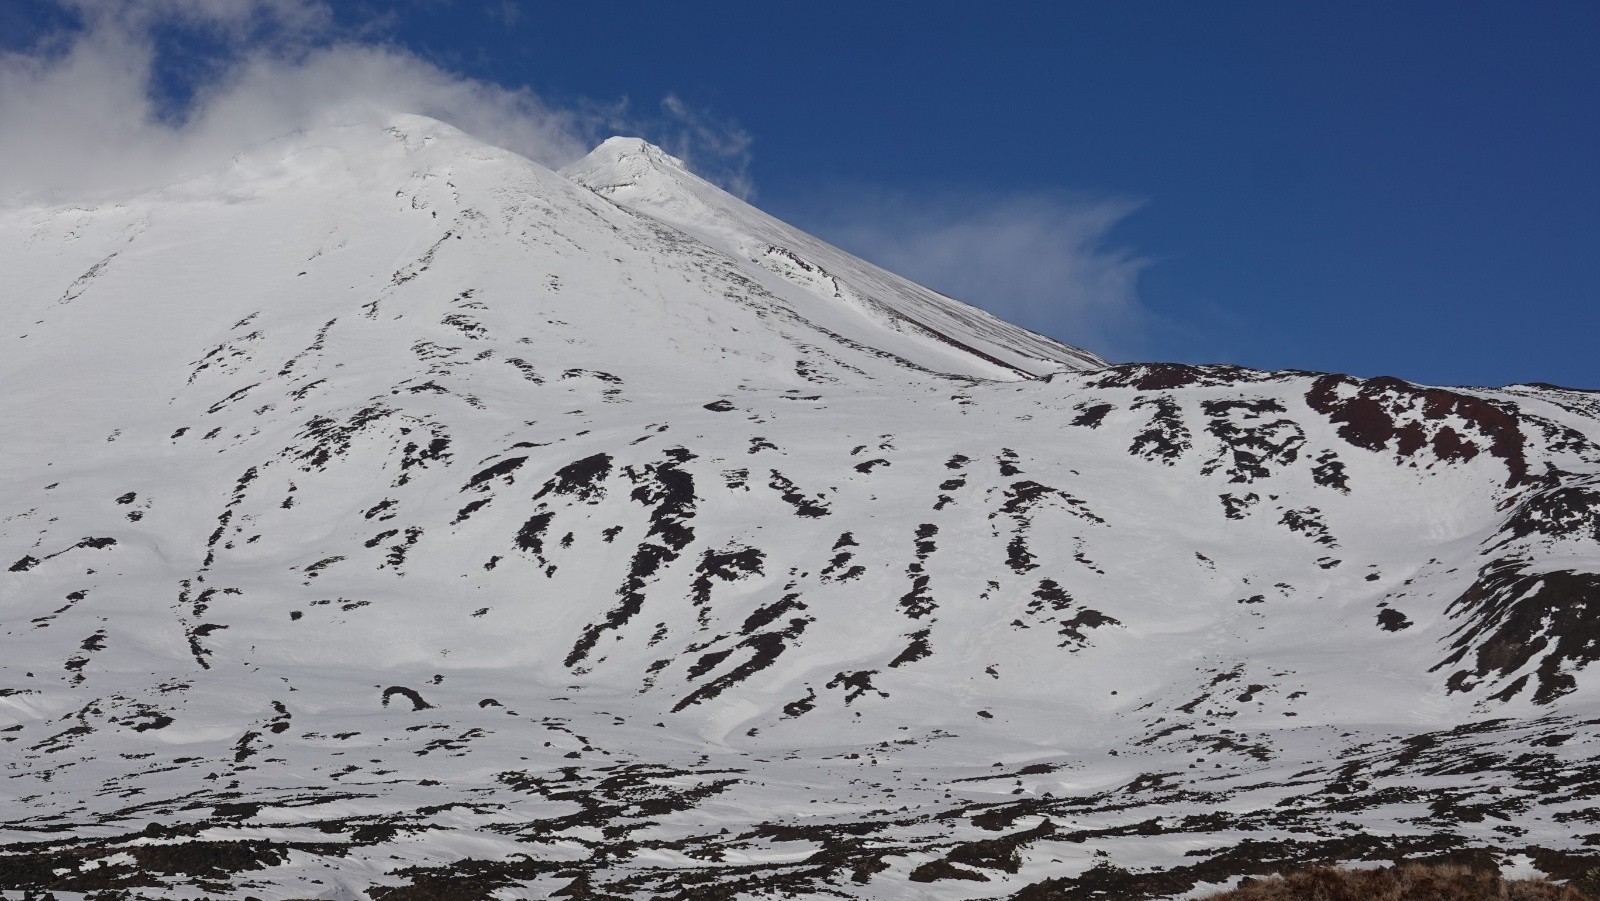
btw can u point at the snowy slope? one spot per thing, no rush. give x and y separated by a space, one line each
388 516
842 292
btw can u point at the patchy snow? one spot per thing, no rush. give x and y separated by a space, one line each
385 510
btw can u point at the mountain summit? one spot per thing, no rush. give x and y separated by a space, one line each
839 290
388 516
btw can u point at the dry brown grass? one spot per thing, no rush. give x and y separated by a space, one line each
1412 882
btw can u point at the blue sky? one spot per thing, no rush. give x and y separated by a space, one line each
1403 188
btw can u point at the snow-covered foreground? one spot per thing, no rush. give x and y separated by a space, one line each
387 516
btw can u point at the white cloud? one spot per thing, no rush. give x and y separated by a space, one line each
79 117
1044 262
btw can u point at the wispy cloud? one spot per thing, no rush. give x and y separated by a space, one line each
84 112
1047 262
233 19
716 148
505 12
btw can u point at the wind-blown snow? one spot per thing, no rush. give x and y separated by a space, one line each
385 513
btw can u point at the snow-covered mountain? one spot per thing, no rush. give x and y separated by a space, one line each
387 516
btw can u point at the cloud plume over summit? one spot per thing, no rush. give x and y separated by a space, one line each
108 102
84 112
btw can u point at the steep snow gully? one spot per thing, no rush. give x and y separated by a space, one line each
386 516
